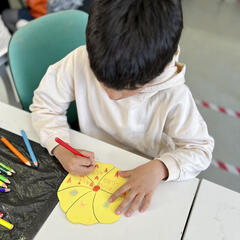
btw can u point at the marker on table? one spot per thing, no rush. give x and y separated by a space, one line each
1 214
15 151
71 149
7 168
5 189
2 184
6 224
4 179
29 148
5 171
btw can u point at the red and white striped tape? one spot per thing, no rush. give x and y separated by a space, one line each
226 167
214 107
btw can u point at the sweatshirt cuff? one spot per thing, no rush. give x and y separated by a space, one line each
51 143
172 166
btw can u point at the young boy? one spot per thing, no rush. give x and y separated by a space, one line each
129 91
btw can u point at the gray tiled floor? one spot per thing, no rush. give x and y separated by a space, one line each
210 47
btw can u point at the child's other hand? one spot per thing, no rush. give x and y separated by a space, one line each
141 184
75 165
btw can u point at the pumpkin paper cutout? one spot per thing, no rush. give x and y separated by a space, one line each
85 199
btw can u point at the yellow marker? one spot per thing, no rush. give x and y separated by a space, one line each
6 224
2 184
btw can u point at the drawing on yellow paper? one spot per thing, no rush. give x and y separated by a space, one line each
85 199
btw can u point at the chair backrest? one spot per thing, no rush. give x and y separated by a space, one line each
41 43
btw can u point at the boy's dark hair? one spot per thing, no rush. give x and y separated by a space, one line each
129 42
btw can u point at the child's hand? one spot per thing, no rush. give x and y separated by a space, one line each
142 182
75 165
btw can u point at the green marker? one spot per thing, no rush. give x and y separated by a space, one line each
4 179
7 168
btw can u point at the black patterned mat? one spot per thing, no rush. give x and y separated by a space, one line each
33 191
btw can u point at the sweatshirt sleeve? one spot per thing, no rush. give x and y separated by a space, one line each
193 145
51 101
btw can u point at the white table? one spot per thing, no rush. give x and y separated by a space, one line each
215 214
165 218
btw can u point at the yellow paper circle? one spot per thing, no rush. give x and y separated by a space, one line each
85 199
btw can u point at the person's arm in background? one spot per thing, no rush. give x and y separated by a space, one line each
38 8
50 103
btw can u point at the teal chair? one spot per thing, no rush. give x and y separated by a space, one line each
41 43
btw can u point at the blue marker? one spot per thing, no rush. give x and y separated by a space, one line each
29 148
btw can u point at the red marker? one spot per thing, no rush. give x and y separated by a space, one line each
64 144
1 214
71 149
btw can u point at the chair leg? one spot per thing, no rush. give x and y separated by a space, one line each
12 97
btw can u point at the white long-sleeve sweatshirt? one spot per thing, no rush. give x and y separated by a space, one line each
161 122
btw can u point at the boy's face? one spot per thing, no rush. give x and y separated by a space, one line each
120 94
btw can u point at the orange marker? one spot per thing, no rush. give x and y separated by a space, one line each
15 151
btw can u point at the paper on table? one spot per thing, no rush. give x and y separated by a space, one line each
85 199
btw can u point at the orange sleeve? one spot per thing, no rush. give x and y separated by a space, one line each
38 8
